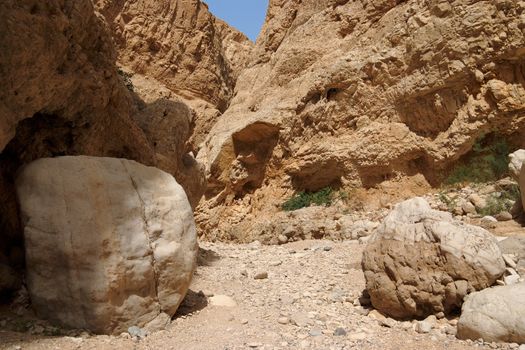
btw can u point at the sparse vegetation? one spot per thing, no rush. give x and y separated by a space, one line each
451 203
488 162
304 199
126 78
501 201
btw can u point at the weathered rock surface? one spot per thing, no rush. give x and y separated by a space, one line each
522 186
356 92
168 125
495 315
516 161
183 46
110 243
62 95
421 261
514 245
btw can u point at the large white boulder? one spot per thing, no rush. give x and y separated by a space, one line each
110 243
495 314
421 261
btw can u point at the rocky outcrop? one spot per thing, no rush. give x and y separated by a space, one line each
522 186
168 125
516 160
421 261
184 47
110 243
494 315
62 95
355 92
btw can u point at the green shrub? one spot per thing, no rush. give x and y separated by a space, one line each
449 202
305 199
486 163
126 78
502 202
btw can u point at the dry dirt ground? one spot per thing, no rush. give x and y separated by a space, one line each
306 302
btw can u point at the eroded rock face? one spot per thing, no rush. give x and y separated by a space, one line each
356 92
516 160
495 315
183 46
110 243
522 186
422 262
168 125
62 95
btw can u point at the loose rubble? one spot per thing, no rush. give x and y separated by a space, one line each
312 301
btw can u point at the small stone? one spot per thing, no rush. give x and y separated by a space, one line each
327 248
137 332
362 311
357 336
489 219
282 239
244 273
376 315
275 263
283 320
254 345
423 327
244 321
468 208
300 319
223 301
511 279
479 76
339 331
504 216
478 201
387 322
315 332
261 275
510 260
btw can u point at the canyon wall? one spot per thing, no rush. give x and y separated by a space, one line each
62 95
181 46
353 93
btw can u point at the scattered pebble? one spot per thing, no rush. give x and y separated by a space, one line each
261 275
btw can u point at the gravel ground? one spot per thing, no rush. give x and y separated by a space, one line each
304 297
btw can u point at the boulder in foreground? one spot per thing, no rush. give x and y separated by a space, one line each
110 243
421 261
495 314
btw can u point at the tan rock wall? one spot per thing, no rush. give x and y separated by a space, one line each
62 95
184 47
356 92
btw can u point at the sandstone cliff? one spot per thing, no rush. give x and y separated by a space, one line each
182 46
351 93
